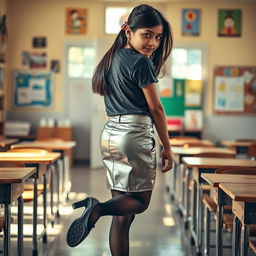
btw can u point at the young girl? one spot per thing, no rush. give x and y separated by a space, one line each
127 77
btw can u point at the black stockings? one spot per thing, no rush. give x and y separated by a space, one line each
123 207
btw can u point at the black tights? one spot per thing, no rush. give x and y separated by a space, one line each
123 207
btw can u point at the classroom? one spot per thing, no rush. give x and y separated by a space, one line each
55 153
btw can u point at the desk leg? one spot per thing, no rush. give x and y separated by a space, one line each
20 226
207 224
219 230
199 219
186 197
51 193
45 209
173 185
7 224
235 238
182 189
58 183
244 239
193 206
35 250
63 178
67 184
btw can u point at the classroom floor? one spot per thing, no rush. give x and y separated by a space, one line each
156 232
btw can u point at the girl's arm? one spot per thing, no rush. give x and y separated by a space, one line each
157 111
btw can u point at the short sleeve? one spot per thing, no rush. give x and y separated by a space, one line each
144 72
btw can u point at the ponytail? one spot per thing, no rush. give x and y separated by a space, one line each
99 76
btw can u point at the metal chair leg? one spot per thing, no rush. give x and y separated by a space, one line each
207 222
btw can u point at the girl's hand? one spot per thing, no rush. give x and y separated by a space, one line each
167 161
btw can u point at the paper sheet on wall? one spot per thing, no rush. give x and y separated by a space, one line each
37 88
193 92
229 93
166 87
23 95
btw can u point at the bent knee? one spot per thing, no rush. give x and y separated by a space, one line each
125 220
143 208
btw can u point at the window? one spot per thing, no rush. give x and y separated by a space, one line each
115 18
186 64
80 61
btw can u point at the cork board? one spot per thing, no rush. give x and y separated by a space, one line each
234 90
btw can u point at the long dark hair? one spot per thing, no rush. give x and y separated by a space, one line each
142 16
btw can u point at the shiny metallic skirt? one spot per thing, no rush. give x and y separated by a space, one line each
128 153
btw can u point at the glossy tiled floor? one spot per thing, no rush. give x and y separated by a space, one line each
148 236
156 232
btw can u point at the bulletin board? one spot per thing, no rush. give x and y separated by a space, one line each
234 90
32 89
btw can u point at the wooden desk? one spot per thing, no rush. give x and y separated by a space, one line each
215 180
182 143
64 148
5 143
179 152
180 189
244 207
239 146
29 137
198 166
34 159
11 189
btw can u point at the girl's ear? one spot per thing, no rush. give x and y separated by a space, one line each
128 32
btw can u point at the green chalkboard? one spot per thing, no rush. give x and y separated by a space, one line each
175 105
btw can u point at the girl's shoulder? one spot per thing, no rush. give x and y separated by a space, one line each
131 56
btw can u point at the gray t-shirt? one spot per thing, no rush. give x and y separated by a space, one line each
130 71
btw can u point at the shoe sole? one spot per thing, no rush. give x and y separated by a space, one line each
76 233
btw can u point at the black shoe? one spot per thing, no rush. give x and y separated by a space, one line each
79 229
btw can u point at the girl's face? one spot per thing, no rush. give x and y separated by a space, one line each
145 40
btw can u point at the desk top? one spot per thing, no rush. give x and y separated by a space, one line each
63 145
15 174
175 142
215 179
240 192
209 162
14 157
236 143
179 152
7 142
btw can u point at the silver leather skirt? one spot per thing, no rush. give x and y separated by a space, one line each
128 153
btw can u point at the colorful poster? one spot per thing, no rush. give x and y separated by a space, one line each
55 66
229 22
191 19
229 93
32 89
193 93
76 21
34 59
193 119
39 42
37 60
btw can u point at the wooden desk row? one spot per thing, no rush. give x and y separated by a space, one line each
242 190
12 180
27 159
191 168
